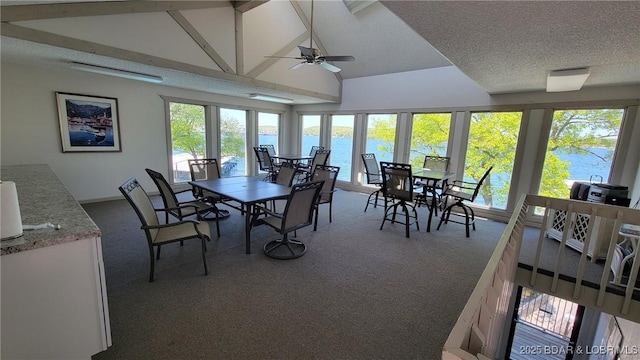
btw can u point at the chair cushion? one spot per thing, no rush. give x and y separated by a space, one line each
181 231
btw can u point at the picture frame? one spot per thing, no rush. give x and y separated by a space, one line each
88 123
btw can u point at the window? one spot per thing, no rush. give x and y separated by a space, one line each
310 132
493 137
268 125
381 135
188 139
429 136
233 159
580 148
342 144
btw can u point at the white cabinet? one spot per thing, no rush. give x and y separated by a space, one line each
54 299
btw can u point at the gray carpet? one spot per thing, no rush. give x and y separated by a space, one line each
358 292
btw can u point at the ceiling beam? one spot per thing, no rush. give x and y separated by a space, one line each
244 6
64 10
200 40
42 37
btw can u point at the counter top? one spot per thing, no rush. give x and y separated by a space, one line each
43 198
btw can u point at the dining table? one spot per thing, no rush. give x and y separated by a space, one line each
294 158
246 190
431 178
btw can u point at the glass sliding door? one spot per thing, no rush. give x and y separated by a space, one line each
381 135
268 129
342 144
310 133
429 136
188 140
233 157
580 148
493 137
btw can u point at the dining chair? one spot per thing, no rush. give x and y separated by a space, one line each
320 158
312 153
460 191
206 169
433 162
397 188
298 213
271 149
265 163
159 234
374 177
328 174
203 210
285 177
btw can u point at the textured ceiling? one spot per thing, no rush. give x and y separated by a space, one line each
504 46
510 46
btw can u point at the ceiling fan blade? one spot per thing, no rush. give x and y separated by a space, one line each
329 67
339 58
297 65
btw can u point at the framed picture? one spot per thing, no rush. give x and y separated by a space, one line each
88 123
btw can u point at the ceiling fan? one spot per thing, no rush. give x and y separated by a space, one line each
311 56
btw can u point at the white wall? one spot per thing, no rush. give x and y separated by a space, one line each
30 135
30 132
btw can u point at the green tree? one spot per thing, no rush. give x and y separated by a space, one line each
187 129
231 136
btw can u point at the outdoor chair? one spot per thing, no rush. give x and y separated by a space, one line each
328 174
203 210
320 158
265 163
307 164
298 213
397 188
206 169
372 170
285 177
271 149
432 162
159 234
460 191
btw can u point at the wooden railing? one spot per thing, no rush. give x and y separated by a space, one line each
479 329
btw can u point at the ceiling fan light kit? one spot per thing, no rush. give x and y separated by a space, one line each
566 80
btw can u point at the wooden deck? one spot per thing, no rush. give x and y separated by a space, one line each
532 343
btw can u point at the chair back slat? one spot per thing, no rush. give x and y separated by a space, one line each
166 192
397 181
313 150
263 158
204 169
298 212
286 174
271 149
328 174
436 163
371 168
321 157
139 200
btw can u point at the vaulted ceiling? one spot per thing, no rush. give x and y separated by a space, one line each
220 46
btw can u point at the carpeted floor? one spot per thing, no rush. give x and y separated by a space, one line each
358 293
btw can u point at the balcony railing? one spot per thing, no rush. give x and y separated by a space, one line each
478 331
